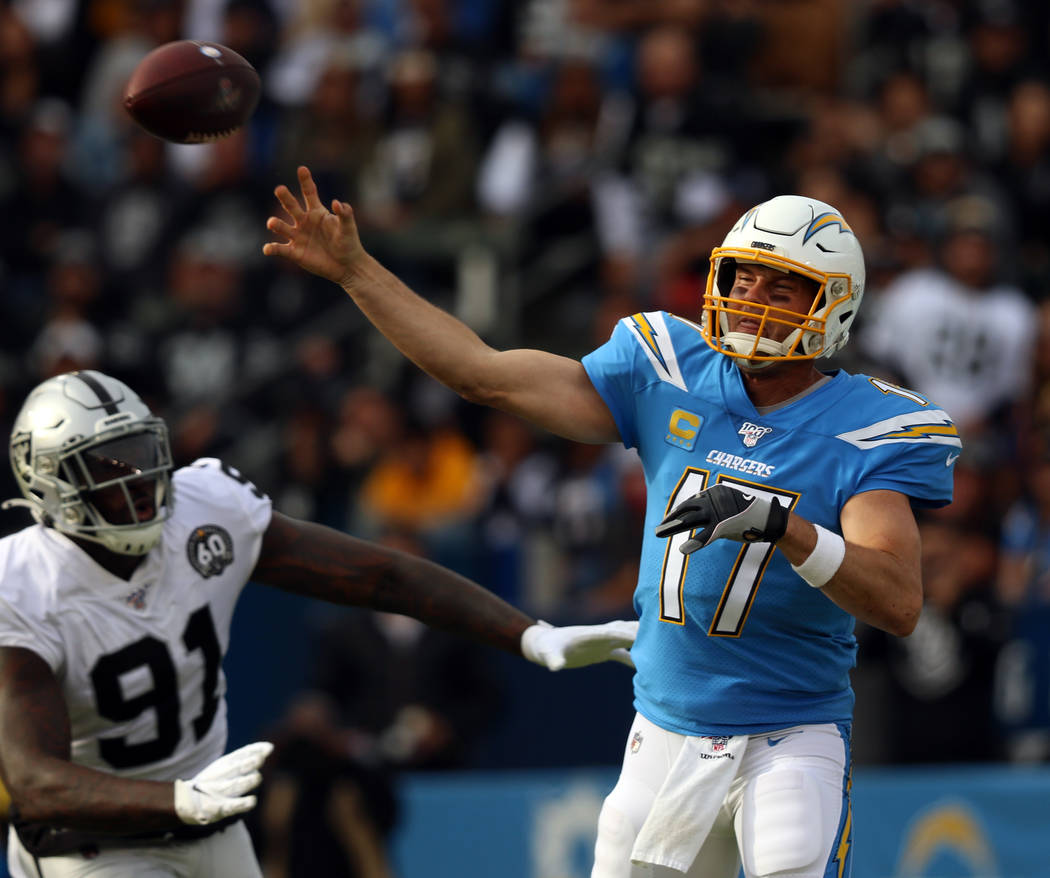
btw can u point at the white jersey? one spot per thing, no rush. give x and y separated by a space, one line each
140 660
968 349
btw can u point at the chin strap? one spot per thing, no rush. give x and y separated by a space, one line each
739 342
47 521
38 516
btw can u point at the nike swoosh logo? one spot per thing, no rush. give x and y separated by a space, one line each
774 741
951 459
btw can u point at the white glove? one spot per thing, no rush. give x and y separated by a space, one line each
218 790
574 646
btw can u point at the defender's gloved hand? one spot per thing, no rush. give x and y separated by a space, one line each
725 513
218 790
574 646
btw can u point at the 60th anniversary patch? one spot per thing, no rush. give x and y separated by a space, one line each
210 550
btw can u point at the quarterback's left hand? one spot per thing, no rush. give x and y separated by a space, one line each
725 513
574 646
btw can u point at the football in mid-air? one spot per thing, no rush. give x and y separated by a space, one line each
190 91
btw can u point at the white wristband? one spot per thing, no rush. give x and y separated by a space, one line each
824 560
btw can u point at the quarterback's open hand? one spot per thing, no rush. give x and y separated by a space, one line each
324 242
574 646
721 512
218 791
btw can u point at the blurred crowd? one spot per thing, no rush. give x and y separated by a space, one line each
543 168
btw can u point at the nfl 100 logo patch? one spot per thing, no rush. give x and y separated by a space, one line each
752 433
137 599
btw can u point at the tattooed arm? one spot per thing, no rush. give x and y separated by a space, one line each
319 562
35 750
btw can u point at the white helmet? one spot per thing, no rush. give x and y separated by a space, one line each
82 432
792 234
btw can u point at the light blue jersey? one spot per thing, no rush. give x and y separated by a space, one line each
731 639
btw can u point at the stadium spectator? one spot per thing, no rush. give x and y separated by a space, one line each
1023 585
334 126
959 330
675 164
1023 168
384 694
315 31
536 194
42 202
368 421
20 84
420 175
137 218
103 128
999 58
426 482
70 338
518 477
305 474
597 530
942 677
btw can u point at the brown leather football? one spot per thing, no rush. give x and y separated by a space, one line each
191 91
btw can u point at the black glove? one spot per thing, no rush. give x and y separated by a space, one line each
725 513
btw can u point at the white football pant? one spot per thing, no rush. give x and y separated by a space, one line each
786 813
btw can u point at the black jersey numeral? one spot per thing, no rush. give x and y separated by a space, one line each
153 657
237 476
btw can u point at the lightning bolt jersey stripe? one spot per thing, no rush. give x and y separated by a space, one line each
651 332
935 427
731 640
